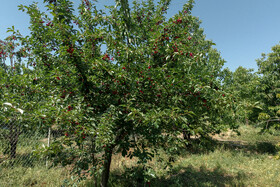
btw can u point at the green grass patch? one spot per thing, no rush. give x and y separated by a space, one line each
32 176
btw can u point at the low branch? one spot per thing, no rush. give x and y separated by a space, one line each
271 120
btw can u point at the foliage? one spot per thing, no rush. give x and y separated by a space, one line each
18 83
20 96
243 84
269 67
129 80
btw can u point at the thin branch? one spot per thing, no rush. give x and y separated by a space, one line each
271 121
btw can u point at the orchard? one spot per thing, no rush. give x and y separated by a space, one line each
126 80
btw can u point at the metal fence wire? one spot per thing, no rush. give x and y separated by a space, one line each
19 144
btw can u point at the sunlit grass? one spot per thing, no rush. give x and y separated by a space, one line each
252 134
32 176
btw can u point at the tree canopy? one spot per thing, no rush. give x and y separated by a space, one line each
126 80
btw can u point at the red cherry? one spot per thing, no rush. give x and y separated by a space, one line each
191 55
69 108
70 50
179 20
106 56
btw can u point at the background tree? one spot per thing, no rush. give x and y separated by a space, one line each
243 84
269 66
19 93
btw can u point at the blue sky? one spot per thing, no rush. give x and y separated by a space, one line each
241 29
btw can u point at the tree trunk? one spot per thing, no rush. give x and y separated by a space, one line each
106 170
187 136
247 121
13 139
13 148
93 160
108 158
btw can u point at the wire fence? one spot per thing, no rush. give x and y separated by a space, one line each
18 145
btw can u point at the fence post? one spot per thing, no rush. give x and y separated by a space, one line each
49 141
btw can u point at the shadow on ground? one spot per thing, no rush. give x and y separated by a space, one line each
185 176
189 176
256 148
209 144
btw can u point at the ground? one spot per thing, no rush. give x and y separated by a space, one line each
232 160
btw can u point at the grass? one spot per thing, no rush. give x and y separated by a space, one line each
252 135
222 168
246 160
33 176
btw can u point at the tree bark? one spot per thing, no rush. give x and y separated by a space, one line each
187 136
247 121
108 158
93 159
106 170
13 148
13 139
